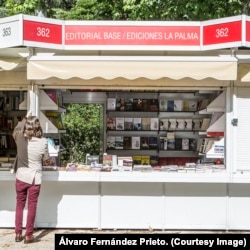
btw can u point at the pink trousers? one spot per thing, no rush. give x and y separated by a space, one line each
29 192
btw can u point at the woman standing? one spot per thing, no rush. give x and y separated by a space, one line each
32 149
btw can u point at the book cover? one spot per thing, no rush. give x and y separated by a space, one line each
145 123
180 124
185 144
188 124
171 144
163 105
186 105
172 124
153 105
136 142
128 123
192 105
137 124
145 160
111 142
92 160
119 123
205 123
118 142
178 143
153 142
154 123
192 144
146 105
127 142
120 104
53 95
137 104
144 142
111 121
107 160
164 124
129 104
196 124
154 160
163 143
170 105
136 159
178 105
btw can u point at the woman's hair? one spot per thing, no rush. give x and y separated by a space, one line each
32 127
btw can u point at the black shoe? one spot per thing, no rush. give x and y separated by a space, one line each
31 239
18 238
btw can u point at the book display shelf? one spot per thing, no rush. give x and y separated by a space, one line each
177 129
10 115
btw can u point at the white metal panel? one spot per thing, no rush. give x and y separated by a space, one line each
242 131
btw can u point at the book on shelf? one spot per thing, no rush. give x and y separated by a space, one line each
205 123
171 144
186 105
137 123
196 124
163 105
154 123
172 123
146 123
111 123
170 107
55 118
178 105
153 105
111 142
125 161
136 159
120 104
137 104
185 144
92 160
127 142
111 103
136 142
188 124
144 142
128 123
118 142
119 123
2 103
154 160
163 143
164 124
146 105
192 105
180 124
107 160
192 144
129 102
178 143
153 142
145 160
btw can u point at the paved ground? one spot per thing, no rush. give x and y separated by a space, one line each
47 236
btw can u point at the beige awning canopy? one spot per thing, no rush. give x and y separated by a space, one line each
10 63
132 67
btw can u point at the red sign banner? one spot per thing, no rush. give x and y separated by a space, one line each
222 33
42 32
132 35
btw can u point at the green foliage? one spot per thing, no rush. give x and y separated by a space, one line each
83 126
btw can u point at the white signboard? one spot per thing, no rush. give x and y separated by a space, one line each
11 31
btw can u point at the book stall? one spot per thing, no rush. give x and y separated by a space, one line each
176 97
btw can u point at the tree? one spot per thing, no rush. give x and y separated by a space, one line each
83 126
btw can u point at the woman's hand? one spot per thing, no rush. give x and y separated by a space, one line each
29 113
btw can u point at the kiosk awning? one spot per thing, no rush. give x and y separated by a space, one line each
10 63
244 72
132 67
